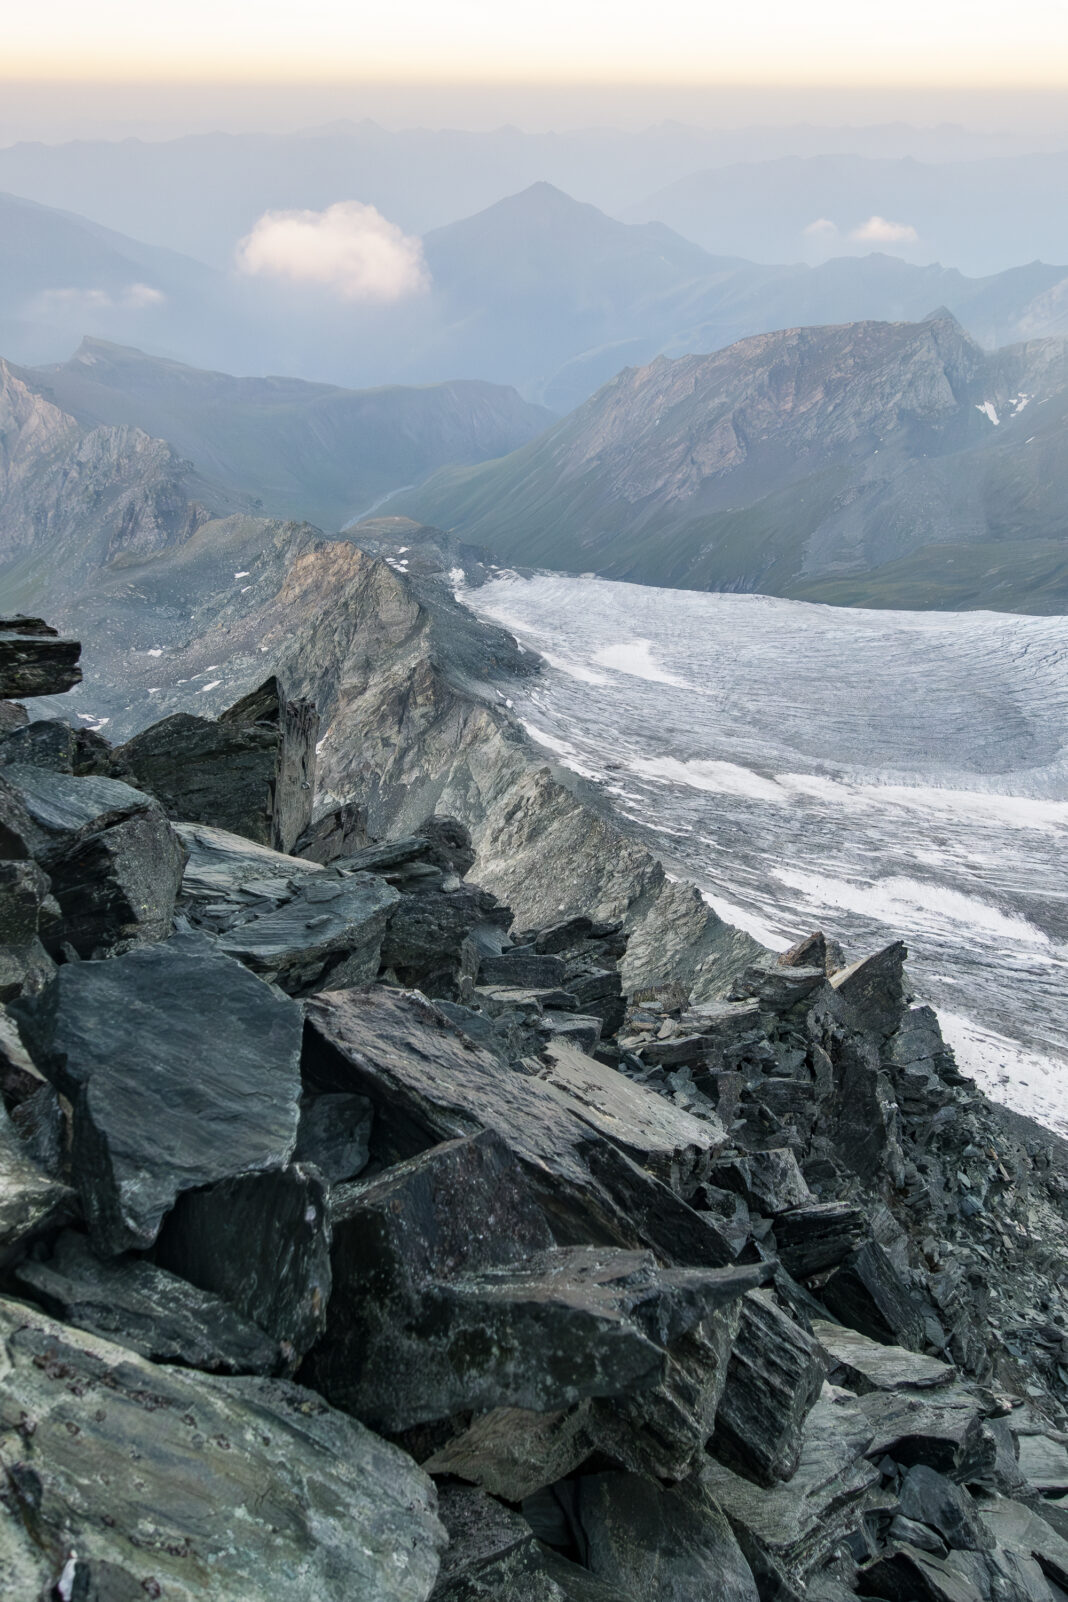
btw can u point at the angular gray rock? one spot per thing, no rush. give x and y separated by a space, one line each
774 1378
491 1553
251 771
866 1292
35 660
512 1452
448 1296
194 1487
228 878
449 844
671 1544
137 1304
815 1237
183 1069
113 860
262 1241
862 1365
28 910
45 743
31 1202
335 834
929 1498
1013 1524
790 1530
425 942
874 988
664 1432
334 1135
429 1083
327 936
941 1428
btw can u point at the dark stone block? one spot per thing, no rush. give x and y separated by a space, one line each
46 743
929 1498
183 1069
424 942
262 1241
336 834
252 771
448 1296
522 969
867 1293
140 1305
449 841
874 989
671 1544
34 660
333 1135
429 1083
774 1377
813 1238
328 935
211 1487
491 1553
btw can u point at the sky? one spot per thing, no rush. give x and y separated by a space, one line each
821 42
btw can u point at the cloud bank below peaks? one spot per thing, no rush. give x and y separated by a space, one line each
349 249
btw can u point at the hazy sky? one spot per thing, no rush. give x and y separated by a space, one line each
758 41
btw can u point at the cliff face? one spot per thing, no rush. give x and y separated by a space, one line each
73 499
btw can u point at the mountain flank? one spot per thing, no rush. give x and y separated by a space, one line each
890 463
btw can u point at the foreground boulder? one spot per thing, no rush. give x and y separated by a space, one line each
127 1480
114 863
251 771
449 1295
183 1069
34 660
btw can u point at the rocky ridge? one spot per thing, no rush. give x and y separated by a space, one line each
412 1253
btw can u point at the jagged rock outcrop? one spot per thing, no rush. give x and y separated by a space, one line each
251 771
34 660
691 1298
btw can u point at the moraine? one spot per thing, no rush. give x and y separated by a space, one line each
877 773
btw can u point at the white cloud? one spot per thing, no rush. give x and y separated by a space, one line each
880 231
823 226
134 297
349 248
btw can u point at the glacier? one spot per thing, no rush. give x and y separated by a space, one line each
877 774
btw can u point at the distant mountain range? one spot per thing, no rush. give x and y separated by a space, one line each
539 291
311 451
981 215
873 463
967 192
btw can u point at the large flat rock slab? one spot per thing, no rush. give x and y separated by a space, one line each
183 1069
429 1082
137 1480
664 1139
329 935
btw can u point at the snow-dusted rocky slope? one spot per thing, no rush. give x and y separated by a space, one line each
878 774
